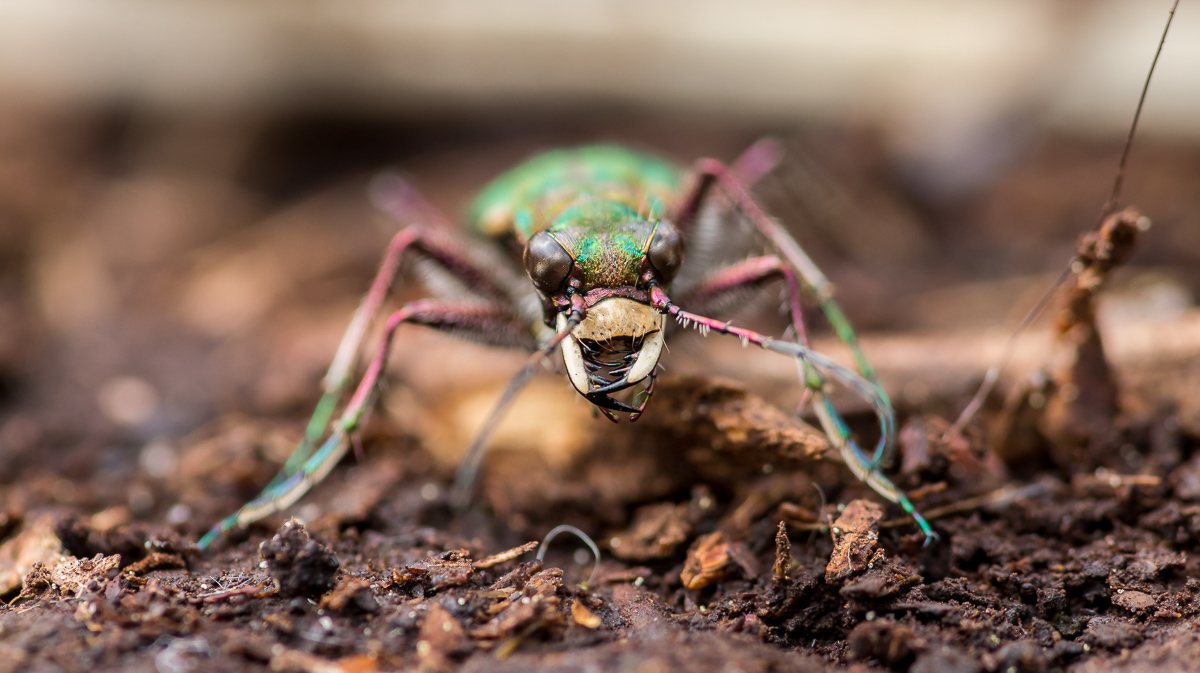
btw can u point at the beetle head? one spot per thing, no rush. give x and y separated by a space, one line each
620 340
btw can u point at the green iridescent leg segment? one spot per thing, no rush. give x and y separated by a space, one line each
304 467
820 368
865 469
421 241
796 262
483 322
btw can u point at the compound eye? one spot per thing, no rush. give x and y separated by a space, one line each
547 262
666 251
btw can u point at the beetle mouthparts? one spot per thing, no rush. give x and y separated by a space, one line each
617 345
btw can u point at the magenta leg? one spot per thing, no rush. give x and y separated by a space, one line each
711 172
419 242
824 368
481 322
759 159
751 273
397 197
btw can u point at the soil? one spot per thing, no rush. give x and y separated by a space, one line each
173 293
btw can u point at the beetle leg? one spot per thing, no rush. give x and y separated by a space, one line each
710 172
718 287
486 323
468 467
423 243
749 274
757 160
823 367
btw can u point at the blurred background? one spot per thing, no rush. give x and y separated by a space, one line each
185 227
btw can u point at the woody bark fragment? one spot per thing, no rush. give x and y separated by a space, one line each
1083 399
783 556
855 534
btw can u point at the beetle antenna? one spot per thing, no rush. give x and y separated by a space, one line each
1110 206
468 469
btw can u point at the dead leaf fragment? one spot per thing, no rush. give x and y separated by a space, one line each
738 430
351 596
855 533
706 561
443 633
783 555
497 559
448 569
884 577
538 608
1134 601
75 576
583 616
656 531
36 543
156 561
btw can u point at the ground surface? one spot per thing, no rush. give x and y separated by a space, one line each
172 296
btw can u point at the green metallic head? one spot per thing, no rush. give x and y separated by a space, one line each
611 264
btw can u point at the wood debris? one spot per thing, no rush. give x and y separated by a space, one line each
855 534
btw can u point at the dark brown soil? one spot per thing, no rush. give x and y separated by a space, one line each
172 294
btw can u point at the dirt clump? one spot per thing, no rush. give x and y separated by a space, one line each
300 565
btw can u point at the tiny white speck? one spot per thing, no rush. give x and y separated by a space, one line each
429 492
179 514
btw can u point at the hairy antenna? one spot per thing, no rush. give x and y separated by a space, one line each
1110 206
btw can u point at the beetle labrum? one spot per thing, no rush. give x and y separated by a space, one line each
602 232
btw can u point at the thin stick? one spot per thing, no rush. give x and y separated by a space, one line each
993 373
1110 206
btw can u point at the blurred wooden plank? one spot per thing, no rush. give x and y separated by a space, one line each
916 67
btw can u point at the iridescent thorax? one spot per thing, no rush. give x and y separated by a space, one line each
589 222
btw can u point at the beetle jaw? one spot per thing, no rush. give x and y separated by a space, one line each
622 325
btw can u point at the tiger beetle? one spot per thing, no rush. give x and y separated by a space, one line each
602 232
